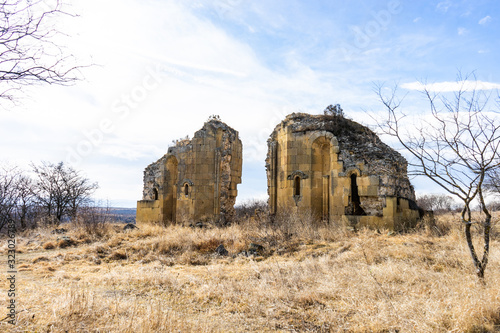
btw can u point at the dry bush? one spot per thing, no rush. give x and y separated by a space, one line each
93 222
289 226
250 208
118 255
65 242
49 245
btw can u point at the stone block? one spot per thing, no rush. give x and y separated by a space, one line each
374 180
303 159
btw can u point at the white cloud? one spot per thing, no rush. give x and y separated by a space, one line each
485 20
449 86
207 67
205 71
443 6
461 31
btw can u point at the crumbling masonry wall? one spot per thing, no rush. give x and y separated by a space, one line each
196 180
340 170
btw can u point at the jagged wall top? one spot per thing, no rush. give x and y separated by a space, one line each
356 142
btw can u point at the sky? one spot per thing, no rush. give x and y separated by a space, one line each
160 68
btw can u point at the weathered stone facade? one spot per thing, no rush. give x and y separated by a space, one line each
196 180
340 170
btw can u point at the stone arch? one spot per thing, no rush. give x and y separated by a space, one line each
170 188
354 171
326 136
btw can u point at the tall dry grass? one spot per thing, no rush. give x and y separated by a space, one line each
310 277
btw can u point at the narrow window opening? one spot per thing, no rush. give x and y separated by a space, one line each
297 186
186 190
355 200
155 194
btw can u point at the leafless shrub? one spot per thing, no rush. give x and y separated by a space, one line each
93 219
437 203
251 208
494 206
16 199
301 223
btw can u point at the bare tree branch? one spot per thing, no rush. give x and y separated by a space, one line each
457 146
28 52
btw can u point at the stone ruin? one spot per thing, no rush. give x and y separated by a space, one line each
340 171
326 164
196 180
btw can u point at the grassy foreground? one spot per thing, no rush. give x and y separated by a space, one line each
305 279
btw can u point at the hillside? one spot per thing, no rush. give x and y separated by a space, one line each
302 279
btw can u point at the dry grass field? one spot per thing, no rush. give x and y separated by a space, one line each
305 279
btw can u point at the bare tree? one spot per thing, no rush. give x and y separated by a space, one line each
28 52
16 198
60 190
456 145
8 195
334 110
493 185
26 211
493 181
438 203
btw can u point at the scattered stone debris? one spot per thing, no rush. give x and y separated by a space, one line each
65 241
253 250
257 248
130 226
221 250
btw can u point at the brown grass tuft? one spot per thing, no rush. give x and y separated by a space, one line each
118 255
65 242
308 278
49 245
40 258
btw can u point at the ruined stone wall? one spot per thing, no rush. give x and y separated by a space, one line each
196 180
338 169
